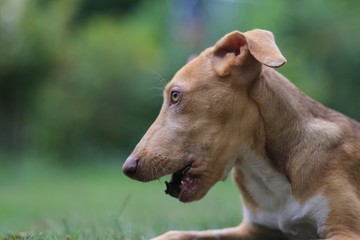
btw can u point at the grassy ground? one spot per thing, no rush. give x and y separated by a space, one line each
98 202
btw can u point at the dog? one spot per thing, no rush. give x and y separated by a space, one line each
295 162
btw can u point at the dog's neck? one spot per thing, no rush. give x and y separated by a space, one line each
288 117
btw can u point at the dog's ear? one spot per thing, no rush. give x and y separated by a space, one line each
234 49
263 47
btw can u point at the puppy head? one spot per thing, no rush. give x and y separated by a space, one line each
206 117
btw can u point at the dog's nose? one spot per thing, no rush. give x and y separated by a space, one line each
130 165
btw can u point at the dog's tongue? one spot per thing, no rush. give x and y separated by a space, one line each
177 183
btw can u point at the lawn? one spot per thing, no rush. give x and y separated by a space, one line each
99 202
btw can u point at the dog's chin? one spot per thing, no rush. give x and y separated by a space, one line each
192 193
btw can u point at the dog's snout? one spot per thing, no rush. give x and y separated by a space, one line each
130 166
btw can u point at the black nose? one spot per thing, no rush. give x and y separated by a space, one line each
130 165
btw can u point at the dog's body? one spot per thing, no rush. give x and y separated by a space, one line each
295 162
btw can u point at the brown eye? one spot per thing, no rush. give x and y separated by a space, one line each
175 97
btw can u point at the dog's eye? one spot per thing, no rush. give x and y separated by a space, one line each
175 97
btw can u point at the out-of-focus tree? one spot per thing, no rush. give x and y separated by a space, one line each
116 8
29 48
101 97
68 91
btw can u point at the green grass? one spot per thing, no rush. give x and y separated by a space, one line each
99 202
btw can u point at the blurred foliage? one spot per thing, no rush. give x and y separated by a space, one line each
84 78
98 98
88 9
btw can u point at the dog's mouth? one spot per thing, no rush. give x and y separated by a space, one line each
181 182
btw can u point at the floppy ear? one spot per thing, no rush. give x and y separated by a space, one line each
263 47
234 50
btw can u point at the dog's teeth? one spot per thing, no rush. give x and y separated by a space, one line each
186 169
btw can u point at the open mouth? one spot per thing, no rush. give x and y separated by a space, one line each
180 182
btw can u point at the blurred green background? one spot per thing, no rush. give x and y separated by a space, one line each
81 81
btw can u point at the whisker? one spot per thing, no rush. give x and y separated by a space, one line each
158 90
153 171
162 168
163 81
161 183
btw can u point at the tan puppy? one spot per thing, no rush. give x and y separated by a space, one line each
295 162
